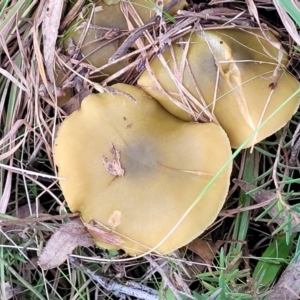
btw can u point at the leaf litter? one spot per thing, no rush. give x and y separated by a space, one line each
206 250
63 242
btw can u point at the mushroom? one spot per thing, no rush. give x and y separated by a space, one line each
234 73
101 39
134 170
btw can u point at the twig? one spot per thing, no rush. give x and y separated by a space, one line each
131 288
26 221
212 15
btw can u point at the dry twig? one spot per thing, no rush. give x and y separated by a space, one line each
131 288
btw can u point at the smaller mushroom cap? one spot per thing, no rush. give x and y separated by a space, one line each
99 43
135 168
231 73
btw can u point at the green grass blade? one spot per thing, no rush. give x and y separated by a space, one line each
27 285
267 269
291 10
242 219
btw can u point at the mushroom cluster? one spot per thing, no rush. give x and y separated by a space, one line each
132 161
135 169
233 73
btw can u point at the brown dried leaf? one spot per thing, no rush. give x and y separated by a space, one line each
262 196
75 102
259 196
106 237
52 12
114 167
63 242
206 250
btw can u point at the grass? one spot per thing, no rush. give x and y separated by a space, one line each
292 10
27 125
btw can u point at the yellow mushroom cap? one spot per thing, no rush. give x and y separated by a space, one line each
232 70
96 48
162 165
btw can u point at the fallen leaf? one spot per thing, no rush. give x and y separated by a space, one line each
75 102
206 250
63 242
262 196
51 20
